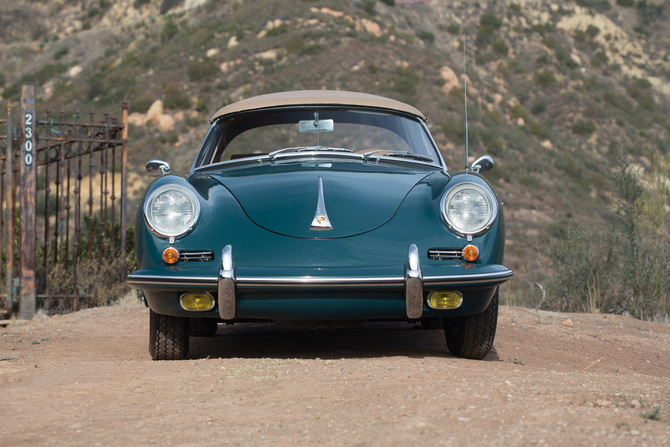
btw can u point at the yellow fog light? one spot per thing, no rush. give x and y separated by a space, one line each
197 301
445 300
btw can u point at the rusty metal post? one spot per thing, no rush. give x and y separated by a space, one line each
10 210
124 183
28 163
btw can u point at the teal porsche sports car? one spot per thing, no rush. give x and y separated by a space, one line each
320 207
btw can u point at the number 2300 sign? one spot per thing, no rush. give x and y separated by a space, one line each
29 139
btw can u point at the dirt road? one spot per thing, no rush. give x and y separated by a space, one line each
87 379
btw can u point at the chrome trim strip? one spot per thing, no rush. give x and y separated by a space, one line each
320 221
469 279
140 280
171 280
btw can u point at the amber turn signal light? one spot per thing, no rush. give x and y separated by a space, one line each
470 253
170 255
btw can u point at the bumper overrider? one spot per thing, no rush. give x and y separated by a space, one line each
249 294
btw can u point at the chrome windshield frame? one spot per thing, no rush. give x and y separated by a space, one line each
258 160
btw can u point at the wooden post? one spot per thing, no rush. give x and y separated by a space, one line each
28 163
124 183
10 208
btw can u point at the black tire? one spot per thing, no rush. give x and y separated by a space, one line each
471 336
168 337
203 327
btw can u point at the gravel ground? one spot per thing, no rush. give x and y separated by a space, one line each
87 379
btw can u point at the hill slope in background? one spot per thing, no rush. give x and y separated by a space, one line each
556 90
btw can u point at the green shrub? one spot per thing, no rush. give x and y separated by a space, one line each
93 12
426 36
599 59
277 30
626 3
170 29
483 57
454 130
405 81
311 49
369 7
176 99
500 47
584 128
388 2
516 65
491 20
518 111
2 80
544 78
453 28
491 141
86 25
538 108
204 70
239 34
61 52
537 129
45 73
592 31
540 29
295 44
515 7
598 5
11 91
140 105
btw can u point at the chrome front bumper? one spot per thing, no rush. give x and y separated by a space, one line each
228 283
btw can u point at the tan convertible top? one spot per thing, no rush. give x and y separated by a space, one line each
316 97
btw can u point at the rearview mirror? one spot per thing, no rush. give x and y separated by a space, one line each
482 165
310 126
157 167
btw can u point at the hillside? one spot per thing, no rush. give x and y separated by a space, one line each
556 90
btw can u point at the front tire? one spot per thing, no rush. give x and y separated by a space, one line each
471 336
203 327
168 336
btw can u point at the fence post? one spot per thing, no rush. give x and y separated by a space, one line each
124 183
10 209
28 163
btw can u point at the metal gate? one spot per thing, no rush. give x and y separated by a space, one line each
62 196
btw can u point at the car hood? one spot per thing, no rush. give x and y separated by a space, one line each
283 199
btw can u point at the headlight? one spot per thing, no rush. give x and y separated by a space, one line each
171 210
469 208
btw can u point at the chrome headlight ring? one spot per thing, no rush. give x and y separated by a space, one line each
171 210
483 221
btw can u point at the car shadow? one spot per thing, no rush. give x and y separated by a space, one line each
368 340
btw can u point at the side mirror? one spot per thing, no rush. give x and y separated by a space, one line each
157 167
482 165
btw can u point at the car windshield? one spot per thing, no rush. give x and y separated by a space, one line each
306 129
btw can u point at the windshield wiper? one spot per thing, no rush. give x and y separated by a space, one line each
272 155
397 154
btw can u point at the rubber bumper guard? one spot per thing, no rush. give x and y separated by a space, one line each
226 283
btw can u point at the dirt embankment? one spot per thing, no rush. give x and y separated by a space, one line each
87 379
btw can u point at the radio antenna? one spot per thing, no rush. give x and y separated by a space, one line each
465 91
